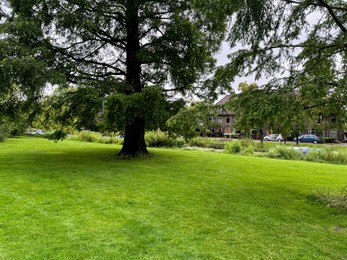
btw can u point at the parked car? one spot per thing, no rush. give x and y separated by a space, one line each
308 139
273 137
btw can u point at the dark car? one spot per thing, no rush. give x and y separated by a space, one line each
308 139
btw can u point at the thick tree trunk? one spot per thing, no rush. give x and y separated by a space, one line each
134 140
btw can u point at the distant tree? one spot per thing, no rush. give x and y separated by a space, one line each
253 108
192 121
272 108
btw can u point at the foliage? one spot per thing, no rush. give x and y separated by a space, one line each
95 137
192 121
57 135
269 108
327 154
284 152
125 52
301 45
206 143
158 139
243 146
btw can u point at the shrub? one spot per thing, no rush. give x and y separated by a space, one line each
328 154
284 152
333 198
233 147
247 142
158 139
263 147
315 155
87 136
247 150
179 142
335 156
95 137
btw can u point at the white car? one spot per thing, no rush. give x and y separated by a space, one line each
273 137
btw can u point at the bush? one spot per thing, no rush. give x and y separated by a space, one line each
179 142
233 147
284 152
335 156
315 155
263 147
247 142
328 154
159 139
87 136
248 150
244 146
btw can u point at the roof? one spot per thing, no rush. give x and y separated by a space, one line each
223 100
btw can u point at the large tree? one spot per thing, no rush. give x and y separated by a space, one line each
134 52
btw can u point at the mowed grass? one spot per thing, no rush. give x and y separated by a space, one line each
74 200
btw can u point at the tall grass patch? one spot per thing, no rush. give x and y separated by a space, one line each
333 198
95 137
284 152
205 142
327 154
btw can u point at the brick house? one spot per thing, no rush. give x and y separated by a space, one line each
224 119
225 123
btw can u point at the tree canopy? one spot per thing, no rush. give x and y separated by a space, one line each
134 53
293 43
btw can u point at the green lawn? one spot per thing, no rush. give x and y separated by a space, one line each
73 200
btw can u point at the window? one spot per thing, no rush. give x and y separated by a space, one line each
333 119
228 120
220 120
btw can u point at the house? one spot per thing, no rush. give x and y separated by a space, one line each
225 119
328 132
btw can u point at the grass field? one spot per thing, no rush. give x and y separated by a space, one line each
74 200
